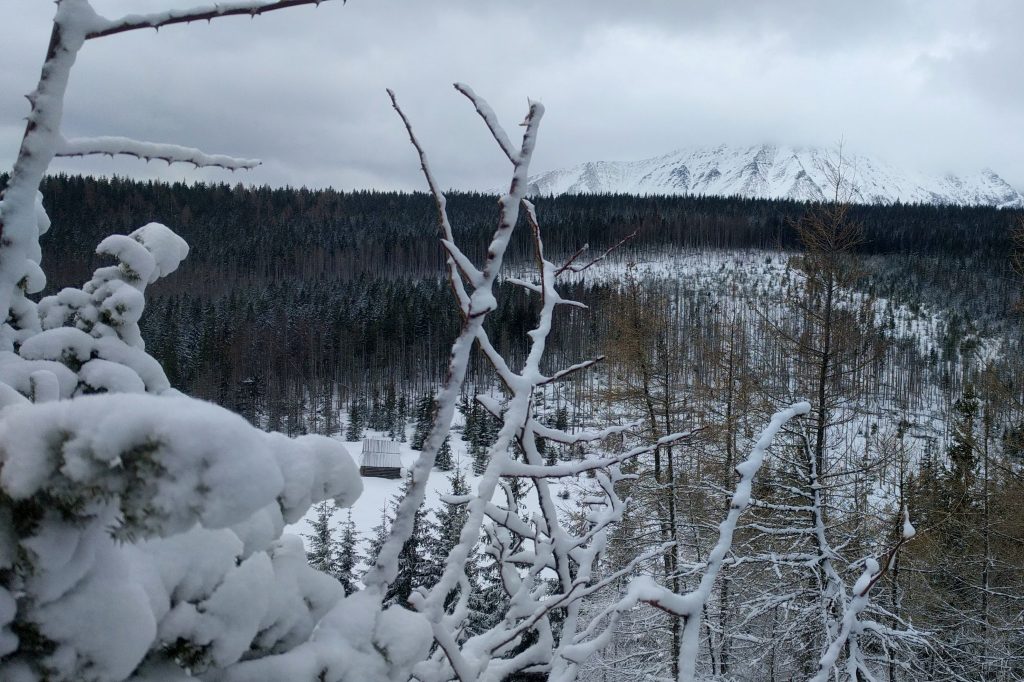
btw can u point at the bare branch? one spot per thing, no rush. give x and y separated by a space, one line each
441 203
569 267
563 373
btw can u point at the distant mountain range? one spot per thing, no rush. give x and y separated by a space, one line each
768 171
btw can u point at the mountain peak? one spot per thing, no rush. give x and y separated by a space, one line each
769 171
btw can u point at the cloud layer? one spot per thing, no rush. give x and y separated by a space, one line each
927 84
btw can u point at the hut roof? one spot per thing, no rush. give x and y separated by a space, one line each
381 453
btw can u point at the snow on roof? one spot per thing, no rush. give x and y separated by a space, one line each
381 453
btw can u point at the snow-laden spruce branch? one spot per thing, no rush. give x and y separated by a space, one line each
151 151
690 606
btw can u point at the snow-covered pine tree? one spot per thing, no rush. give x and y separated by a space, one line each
348 556
378 536
444 461
445 526
424 419
322 548
413 561
356 423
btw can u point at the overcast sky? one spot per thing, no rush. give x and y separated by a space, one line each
931 85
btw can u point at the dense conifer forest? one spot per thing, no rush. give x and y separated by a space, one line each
291 294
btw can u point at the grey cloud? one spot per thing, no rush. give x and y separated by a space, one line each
928 84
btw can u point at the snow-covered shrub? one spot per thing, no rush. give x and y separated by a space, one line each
141 528
142 536
28 278
89 338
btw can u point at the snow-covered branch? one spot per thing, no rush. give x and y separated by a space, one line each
456 261
689 607
491 119
151 151
157 20
523 551
860 598
480 302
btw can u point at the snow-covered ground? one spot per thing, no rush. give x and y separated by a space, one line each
378 493
751 279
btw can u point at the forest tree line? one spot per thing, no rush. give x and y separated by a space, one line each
297 300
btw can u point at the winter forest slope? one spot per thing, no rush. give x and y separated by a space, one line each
302 309
767 171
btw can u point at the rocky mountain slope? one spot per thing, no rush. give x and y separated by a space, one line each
801 173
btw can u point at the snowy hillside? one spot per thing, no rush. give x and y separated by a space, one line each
767 171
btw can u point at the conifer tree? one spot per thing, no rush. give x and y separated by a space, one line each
444 531
378 538
444 460
964 448
356 423
390 413
412 559
347 557
323 548
402 418
424 420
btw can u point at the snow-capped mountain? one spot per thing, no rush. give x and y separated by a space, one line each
801 173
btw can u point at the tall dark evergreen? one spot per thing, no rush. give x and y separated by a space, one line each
413 562
445 460
347 557
963 451
356 422
444 531
424 420
322 552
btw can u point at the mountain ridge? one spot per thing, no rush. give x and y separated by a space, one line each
770 171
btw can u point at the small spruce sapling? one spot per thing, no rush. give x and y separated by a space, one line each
322 550
348 554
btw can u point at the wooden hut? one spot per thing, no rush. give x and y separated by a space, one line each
381 459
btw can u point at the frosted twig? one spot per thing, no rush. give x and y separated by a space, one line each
569 267
489 117
157 20
860 598
563 373
535 288
566 469
572 259
476 307
151 151
690 606
456 263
